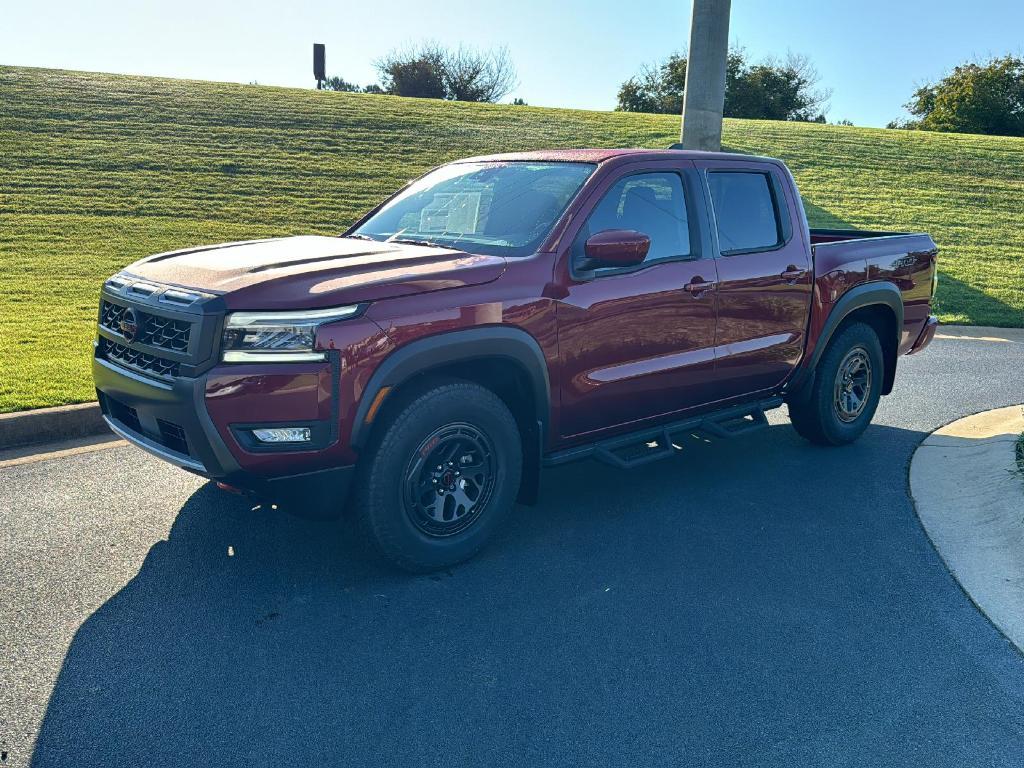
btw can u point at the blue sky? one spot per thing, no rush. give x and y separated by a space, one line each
572 53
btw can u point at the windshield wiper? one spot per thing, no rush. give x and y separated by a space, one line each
357 236
411 241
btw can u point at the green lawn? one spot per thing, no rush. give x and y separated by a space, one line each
98 170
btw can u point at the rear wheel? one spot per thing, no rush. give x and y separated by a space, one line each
846 389
441 476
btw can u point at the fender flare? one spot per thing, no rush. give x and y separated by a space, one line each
422 355
860 296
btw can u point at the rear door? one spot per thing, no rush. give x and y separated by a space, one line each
764 274
638 343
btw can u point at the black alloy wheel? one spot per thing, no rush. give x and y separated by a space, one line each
852 386
449 480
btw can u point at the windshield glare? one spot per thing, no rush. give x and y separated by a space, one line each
499 209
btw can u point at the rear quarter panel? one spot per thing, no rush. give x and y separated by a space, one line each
906 261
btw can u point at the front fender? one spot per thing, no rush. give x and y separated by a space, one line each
422 355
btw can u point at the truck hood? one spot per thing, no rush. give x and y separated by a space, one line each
312 272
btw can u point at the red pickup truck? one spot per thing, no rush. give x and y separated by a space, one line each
501 314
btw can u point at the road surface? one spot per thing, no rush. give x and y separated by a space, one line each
752 602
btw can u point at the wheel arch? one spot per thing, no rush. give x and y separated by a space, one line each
879 304
882 318
507 361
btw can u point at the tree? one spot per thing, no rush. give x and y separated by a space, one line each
769 90
774 90
658 88
416 72
463 74
344 86
338 84
473 75
975 98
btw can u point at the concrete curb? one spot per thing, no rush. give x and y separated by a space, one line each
50 425
969 495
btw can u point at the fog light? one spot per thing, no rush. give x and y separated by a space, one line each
282 435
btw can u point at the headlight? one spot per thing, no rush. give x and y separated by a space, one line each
277 337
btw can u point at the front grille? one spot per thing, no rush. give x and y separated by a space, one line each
153 330
136 360
110 316
166 333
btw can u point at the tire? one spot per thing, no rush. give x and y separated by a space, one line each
832 413
458 439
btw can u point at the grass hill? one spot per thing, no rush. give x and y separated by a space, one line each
97 170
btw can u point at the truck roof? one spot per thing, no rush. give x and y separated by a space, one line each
602 155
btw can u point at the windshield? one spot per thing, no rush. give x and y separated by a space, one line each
498 209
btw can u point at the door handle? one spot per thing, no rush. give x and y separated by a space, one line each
792 274
698 286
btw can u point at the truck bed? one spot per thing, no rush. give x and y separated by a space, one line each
845 258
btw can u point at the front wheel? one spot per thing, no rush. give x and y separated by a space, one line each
846 390
441 476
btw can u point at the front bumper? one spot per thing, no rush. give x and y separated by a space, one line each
170 420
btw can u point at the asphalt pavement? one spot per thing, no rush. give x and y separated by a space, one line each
755 602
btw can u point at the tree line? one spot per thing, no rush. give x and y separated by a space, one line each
986 97
432 71
767 90
976 97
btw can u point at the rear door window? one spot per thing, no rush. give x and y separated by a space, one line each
746 212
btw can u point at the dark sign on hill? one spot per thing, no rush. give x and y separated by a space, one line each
319 64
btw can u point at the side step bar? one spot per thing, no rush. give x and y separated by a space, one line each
653 443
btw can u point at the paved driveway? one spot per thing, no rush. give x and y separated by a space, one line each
754 602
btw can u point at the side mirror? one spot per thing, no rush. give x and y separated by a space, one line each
617 248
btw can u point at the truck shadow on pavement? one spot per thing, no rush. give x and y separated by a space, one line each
680 612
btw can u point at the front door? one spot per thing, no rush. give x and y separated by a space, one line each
638 342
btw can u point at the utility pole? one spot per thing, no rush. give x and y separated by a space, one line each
704 94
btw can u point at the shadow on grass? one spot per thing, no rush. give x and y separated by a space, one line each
819 218
970 306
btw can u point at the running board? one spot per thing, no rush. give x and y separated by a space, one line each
654 443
